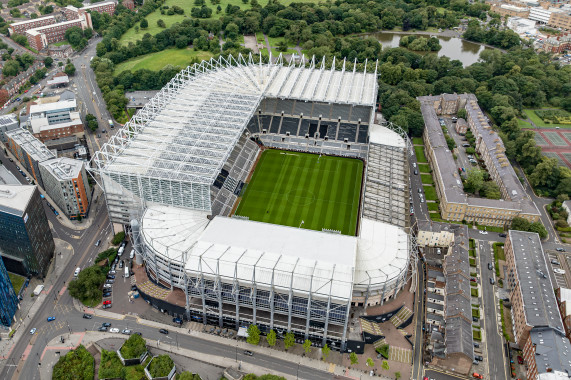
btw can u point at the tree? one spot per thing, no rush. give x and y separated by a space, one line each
289 340
161 23
475 180
271 338
461 113
11 68
144 24
92 124
325 351
307 346
282 46
253 335
397 375
539 229
136 29
48 61
490 190
385 365
370 362
188 376
87 286
19 39
519 224
69 69
354 359
119 236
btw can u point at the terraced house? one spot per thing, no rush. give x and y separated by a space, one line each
455 204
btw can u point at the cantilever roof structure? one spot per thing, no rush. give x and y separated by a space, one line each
186 132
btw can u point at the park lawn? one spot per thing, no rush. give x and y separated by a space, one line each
430 193
491 228
420 157
417 141
64 42
17 281
427 179
432 206
156 61
424 168
294 188
524 124
540 123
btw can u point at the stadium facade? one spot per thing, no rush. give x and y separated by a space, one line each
175 171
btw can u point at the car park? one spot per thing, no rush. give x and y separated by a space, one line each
51 319
33 331
87 316
164 331
114 330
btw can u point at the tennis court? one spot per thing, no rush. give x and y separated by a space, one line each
539 140
555 155
555 139
567 135
567 156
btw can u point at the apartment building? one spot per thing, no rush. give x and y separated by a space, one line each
129 4
563 296
7 123
55 120
455 204
448 309
26 241
29 151
41 37
537 324
103 7
560 20
556 45
539 14
65 180
23 26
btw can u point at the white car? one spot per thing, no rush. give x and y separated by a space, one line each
558 271
33 331
114 330
484 232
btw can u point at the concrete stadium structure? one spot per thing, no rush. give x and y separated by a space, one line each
174 173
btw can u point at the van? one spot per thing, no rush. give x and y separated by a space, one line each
438 251
132 254
76 273
38 290
126 271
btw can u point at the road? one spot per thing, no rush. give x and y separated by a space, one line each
494 341
417 362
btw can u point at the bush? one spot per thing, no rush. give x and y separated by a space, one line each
87 286
110 366
474 292
76 364
161 366
118 238
133 347
383 350
477 335
110 254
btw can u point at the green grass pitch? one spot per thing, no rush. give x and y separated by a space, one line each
289 187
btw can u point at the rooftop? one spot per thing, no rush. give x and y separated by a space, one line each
6 177
15 198
552 353
28 21
33 147
96 5
64 168
187 131
539 303
68 104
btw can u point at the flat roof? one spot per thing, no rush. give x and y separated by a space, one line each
54 106
539 303
187 131
58 80
97 5
15 198
63 23
32 20
7 178
64 168
31 145
379 134
552 353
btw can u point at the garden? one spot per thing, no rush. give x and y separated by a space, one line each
76 364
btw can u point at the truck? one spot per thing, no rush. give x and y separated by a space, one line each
38 290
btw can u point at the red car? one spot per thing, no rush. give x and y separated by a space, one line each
108 302
520 360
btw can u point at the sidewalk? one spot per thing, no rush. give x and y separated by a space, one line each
242 345
30 305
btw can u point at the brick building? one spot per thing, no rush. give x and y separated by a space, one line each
508 10
39 38
55 120
13 86
23 26
563 296
560 20
537 324
461 126
556 45
129 4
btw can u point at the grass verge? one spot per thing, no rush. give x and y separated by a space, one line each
427 179
420 157
17 281
430 193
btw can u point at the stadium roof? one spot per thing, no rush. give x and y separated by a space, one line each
186 132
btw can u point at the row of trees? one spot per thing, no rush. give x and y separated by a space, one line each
17 64
77 37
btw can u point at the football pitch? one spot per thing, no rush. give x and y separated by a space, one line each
289 188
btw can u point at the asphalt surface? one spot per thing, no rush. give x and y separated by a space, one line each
494 340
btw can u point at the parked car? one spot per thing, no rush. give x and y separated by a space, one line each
107 286
114 330
415 172
121 264
106 294
555 262
520 360
87 316
126 332
138 333
484 232
559 249
133 287
112 272
177 320
109 281
108 306
164 331
492 281
479 358
111 277
558 271
107 302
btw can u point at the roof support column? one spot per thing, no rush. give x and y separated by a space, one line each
272 308
219 293
187 295
236 294
308 314
201 287
344 338
326 325
368 292
383 293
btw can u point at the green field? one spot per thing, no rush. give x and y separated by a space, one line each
156 61
288 188
17 281
540 123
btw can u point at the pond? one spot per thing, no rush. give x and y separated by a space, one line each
452 47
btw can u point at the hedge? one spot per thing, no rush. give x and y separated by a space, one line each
477 335
76 364
474 292
161 366
133 347
110 366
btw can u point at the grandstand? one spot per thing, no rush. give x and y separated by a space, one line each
177 170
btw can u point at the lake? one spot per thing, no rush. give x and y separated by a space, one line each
452 47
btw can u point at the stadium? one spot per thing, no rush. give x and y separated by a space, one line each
265 193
